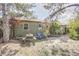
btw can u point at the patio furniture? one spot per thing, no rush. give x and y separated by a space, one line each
29 38
40 35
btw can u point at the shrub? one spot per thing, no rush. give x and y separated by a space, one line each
74 29
46 32
55 28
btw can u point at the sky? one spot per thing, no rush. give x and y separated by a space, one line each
40 11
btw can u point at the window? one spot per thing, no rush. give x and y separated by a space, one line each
25 26
46 26
40 25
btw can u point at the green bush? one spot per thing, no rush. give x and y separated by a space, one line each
74 29
55 28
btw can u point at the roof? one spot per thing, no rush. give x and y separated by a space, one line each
30 20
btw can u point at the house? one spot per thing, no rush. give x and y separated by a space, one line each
24 26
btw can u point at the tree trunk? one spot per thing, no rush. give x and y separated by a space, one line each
6 29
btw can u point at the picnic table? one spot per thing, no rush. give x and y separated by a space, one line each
29 38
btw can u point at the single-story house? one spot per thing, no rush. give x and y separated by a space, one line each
25 26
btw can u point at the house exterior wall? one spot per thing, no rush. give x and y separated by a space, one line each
33 27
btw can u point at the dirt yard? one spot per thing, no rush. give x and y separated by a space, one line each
60 46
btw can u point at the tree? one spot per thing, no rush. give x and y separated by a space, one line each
20 10
73 27
55 28
58 11
6 29
53 7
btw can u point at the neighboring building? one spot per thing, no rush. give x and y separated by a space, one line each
25 26
64 29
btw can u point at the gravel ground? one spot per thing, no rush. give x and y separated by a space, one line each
61 46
